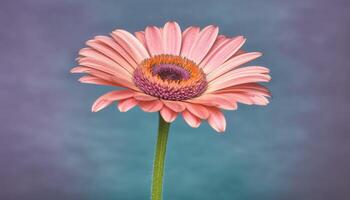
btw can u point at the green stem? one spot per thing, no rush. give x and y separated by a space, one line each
159 158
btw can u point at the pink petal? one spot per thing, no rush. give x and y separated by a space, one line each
105 76
252 70
188 38
111 54
119 49
108 98
223 52
239 52
172 38
217 120
151 106
240 97
168 115
253 86
144 97
233 106
140 35
176 106
191 119
213 100
260 100
97 81
237 79
92 54
132 45
232 64
198 110
126 104
221 39
247 98
246 70
240 80
115 70
249 88
218 44
154 40
203 43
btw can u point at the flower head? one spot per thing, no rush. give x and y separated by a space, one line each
196 72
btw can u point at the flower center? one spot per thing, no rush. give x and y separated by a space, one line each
170 72
170 77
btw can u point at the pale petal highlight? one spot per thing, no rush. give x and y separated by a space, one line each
198 110
131 44
167 114
154 40
217 120
191 119
188 37
176 106
232 64
111 54
151 106
108 98
220 54
203 43
125 105
172 38
117 48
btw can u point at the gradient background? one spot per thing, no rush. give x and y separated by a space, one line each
53 148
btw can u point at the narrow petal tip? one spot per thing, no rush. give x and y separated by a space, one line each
99 105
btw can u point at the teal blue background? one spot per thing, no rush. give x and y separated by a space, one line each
53 148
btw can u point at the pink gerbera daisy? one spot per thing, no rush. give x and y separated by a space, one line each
196 73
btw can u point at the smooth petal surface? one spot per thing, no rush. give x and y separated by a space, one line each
111 54
247 98
144 97
249 88
140 35
237 80
198 110
151 106
232 64
188 37
125 105
97 81
98 57
217 120
172 38
101 65
167 114
154 40
117 48
108 98
131 44
104 76
233 105
176 106
212 100
218 44
260 100
220 54
203 43
191 119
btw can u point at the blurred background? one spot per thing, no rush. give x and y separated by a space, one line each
53 148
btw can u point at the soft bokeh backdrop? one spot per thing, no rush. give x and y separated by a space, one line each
52 146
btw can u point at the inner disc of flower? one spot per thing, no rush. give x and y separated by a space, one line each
170 72
170 77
